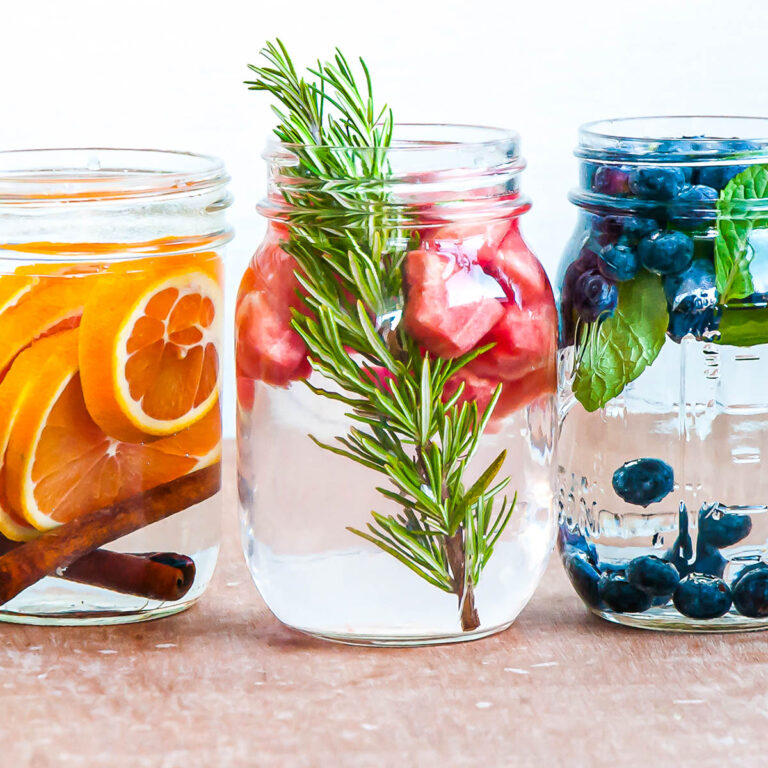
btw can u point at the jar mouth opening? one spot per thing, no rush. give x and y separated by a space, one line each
676 139
424 137
93 175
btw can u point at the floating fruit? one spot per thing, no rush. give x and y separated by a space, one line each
618 262
594 296
750 591
148 358
33 362
621 596
268 349
48 308
584 578
666 253
60 464
653 575
450 306
702 597
657 183
643 481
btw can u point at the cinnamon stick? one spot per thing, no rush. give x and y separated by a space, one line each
160 576
56 551
155 576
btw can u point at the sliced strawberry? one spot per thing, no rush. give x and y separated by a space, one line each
267 347
450 306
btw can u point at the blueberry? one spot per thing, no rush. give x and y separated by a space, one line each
586 260
611 181
607 229
572 541
634 227
692 290
750 591
694 205
618 262
709 561
666 252
621 596
700 326
643 481
653 575
594 296
693 300
717 176
584 578
721 528
657 183
702 597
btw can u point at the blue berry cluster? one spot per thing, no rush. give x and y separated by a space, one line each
694 584
675 201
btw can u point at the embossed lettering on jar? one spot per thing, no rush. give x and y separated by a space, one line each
662 368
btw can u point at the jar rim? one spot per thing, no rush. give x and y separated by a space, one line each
477 136
658 138
92 175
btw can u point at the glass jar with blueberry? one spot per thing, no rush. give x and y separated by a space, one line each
663 377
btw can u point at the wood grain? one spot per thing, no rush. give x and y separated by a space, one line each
226 685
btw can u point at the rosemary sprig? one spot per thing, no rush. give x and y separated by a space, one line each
349 249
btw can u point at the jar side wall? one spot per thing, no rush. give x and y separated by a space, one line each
111 436
415 273
662 520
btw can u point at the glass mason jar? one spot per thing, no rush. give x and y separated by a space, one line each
664 354
364 552
110 436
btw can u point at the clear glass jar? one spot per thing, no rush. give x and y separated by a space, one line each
664 354
110 312
445 212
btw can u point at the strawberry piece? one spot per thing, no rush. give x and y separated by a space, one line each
451 305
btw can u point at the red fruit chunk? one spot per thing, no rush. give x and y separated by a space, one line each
450 306
525 338
517 270
524 342
267 347
470 241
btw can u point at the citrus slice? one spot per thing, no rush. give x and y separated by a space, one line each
13 288
31 363
148 357
60 464
47 309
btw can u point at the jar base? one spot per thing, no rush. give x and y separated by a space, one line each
94 618
677 623
403 641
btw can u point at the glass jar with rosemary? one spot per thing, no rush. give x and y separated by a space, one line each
395 361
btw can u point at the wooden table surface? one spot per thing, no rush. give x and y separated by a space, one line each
226 685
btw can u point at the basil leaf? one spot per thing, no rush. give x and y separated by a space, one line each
733 253
617 350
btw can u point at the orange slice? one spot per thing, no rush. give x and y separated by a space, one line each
60 464
46 309
13 288
148 357
30 364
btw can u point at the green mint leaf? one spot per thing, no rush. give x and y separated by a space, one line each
733 253
618 349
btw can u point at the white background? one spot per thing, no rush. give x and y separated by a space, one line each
168 74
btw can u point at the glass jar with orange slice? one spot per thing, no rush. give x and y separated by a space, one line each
110 427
